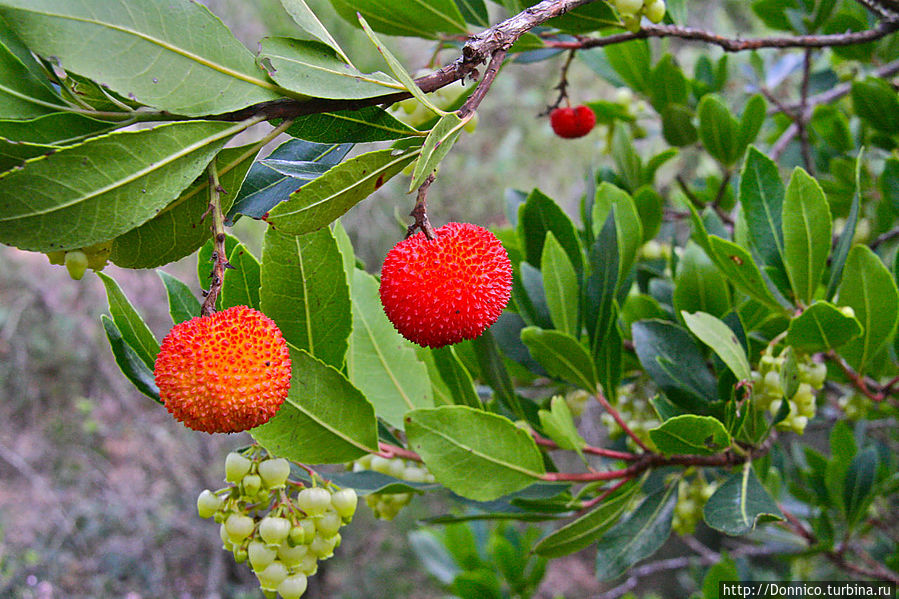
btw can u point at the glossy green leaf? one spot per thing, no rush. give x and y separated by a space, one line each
416 18
889 182
131 365
437 145
821 327
183 304
638 537
456 377
632 62
690 434
303 289
242 281
494 372
157 45
371 123
677 125
699 285
718 129
539 214
602 284
180 228
629 228
23 93
328 197
876 103
380 362
859 483
651 207
562 356
806 230
869 289
314 69
722 340
740 503
15 153
306 19
561 287
528 293
474 12
584 531
761 198
95 191
455 441
844 243
667 84
132 327
584 19
324 420
741 270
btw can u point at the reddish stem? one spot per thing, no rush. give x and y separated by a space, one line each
614 413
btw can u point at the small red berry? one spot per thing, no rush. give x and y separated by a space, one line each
571 122
224 373
444 290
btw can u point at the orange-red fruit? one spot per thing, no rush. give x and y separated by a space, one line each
442 291
224 373
573 122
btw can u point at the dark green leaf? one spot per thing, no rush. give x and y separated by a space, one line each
602 283
741 270
306 19
417 19
841 251
562 356
628 227
584 19
690 434
540 214
699 285
677 125
632 62
140 375
762 197
371 123
437 145
751 120
859 483
183 304
561 287
739 504
474 12
132 327
494 372
821 327
667 84
806 229
719 130
876 103
457 378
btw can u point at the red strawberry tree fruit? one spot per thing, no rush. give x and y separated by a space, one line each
718 303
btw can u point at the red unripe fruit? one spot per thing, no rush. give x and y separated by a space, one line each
224 373
444 290
571 122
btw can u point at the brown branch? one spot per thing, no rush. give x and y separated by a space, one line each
801 120
420 211
475 99
219 255
883 238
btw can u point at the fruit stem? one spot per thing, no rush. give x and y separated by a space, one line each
563 85
420 212
219 256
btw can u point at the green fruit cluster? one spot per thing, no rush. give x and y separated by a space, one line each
632 10
691 498
636 412
768 390
386 506
78 261
281 528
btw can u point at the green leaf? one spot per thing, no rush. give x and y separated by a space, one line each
180 228
718 129
638 537
455 441
306 19
651 208
751 120
672 359
667 84
158 45
889 182
242 282
324 420
416 18
562 356
134 330
493 371
15 153
677 125
821 327
539 214
371 123
859 483
869 289
474 12
183 304
584 19
739 504
690 434
875 102
558 424
582 532
560 285
131 365
806 229
699 285
95 191
741 270
456 377
632 61
762 198
380 362
628 226
602 284
23 94
303 289
844 244
722 340
328 197
314 69
437 145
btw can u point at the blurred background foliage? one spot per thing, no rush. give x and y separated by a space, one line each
87 511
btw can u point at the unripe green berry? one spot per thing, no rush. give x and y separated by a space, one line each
292 587
847 311
322 547
292 556
272 576
238 527
236 467
379 464
208 503
274 472
628 7
76 264
303 532
655 11
260 555
314 501
329 523
251 485
274 530
344 503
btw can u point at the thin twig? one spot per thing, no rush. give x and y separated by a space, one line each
618 419
475 99
219 255
563 85
420 211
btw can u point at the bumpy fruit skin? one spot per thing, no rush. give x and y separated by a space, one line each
224 373
443 291
571 122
